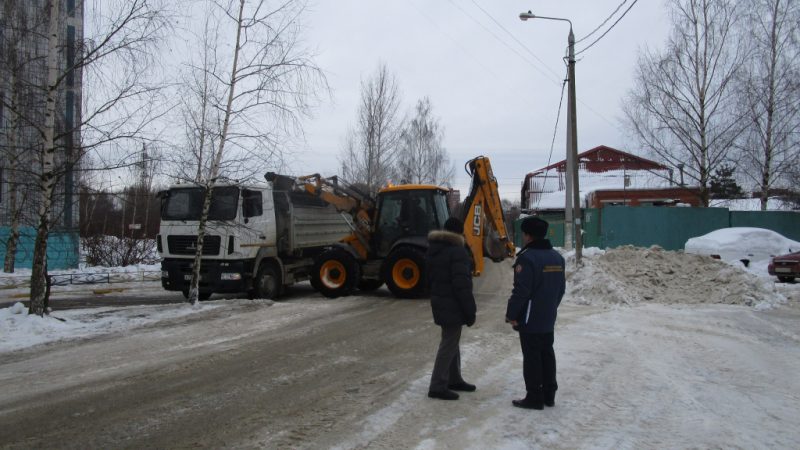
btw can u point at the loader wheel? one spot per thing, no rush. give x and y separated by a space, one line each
335 273
267 283
404 272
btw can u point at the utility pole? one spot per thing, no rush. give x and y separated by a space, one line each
572 204
572 139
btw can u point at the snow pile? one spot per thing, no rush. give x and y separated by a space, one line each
18 329
630 275
738 243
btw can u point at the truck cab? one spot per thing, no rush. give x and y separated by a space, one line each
241 220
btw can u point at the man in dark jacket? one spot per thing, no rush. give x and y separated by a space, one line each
450 284
539 285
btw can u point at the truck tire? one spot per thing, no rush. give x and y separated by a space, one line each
335 273
267 283
787 279
404 272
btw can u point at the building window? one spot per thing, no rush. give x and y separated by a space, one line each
70 55
69 113
71 8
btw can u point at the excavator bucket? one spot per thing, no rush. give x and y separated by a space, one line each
494 248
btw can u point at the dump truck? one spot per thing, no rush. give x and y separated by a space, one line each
259 238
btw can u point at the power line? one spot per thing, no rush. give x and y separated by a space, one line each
504 43
514 37
604 22
601 116
609 29
455 41
553 143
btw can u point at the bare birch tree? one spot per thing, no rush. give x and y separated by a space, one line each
371 147
115 55
267 82
681 107
770 93
422 159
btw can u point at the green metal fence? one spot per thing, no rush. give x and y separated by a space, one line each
786 223
669 228
62 248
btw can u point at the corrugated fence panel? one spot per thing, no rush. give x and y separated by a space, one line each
786 223
555 232
591 228
62 248
668 228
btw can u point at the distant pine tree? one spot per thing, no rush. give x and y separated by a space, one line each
723 185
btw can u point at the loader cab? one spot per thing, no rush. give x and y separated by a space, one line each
408 211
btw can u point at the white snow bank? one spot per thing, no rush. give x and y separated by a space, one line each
630 275
20 330
737 243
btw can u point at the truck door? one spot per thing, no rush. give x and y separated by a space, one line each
256 228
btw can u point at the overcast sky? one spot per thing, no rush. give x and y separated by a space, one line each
494 80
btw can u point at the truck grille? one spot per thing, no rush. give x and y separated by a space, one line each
187 245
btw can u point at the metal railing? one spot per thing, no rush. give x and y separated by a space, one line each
66 279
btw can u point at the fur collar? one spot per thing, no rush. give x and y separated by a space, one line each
447 237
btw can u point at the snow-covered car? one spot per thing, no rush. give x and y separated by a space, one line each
785 267
743 244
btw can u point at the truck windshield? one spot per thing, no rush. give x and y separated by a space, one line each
187 203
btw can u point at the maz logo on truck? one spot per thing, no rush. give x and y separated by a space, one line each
476 220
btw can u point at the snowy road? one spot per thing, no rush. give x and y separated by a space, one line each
353 373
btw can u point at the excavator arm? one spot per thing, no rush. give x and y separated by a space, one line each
483 217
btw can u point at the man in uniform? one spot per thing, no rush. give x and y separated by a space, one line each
539 285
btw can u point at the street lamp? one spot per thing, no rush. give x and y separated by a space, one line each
573 205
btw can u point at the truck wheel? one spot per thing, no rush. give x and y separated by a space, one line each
267 283
786 279
369 285
404 272
335 273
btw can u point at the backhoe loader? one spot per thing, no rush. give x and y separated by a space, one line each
389 231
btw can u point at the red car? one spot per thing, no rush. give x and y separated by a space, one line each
785 267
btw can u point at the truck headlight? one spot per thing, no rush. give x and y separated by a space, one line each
164 274
230 276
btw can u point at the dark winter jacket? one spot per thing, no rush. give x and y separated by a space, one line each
539 285
449 279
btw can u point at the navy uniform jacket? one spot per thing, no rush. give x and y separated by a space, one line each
539 285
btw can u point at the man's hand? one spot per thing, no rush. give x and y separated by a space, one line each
512 322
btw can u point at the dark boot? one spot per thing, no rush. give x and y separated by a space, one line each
462 386
550 398
443 395
525 403
534 400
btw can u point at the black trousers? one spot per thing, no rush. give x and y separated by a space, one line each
447 367
538 365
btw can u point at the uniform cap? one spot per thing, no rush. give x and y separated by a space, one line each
535 227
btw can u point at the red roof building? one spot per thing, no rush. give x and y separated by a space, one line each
632 179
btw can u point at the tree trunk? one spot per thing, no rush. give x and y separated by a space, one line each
39 289
194 290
